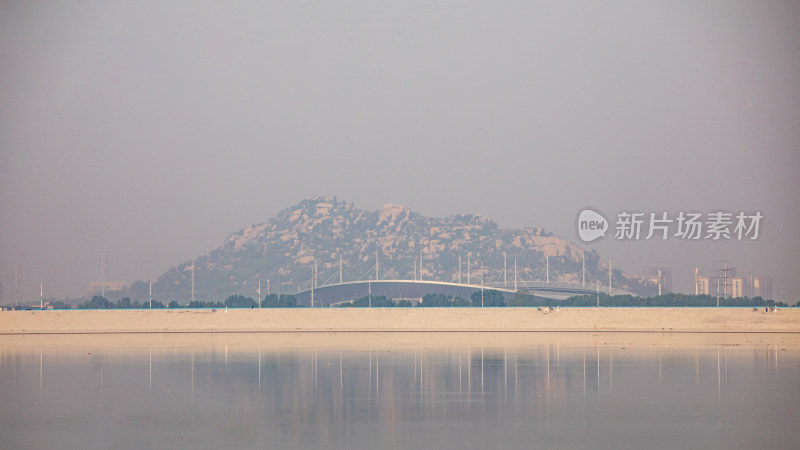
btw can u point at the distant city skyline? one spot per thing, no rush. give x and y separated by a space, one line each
150 131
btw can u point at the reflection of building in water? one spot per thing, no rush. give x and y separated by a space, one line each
95 287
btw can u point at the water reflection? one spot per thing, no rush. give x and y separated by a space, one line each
539 391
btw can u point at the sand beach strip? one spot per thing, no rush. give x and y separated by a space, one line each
661 320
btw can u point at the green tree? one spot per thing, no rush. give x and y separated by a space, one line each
124 303
240 301
156 304
279 301
666 300
524 297
491 297
58 304
97 302
201 304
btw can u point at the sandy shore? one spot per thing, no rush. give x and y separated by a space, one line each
672 320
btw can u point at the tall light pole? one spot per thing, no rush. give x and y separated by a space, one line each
505 271
469 281
193 264
16 286
481 284
313 274
583 271
547 265
103 275
659 281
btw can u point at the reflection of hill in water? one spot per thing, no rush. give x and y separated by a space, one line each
400 390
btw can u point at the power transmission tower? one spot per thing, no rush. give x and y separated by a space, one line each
313 254
725 281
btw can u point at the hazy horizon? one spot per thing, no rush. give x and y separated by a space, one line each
150 131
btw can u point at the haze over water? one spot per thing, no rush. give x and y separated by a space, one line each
474 391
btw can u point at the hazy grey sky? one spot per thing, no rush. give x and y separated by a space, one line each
151 130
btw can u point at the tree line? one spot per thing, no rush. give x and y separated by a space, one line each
485 298
234 301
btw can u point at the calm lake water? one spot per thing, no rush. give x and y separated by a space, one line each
369 391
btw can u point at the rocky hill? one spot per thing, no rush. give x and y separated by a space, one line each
283 250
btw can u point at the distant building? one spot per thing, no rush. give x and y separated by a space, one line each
702 286
45 305
737 287
111 286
